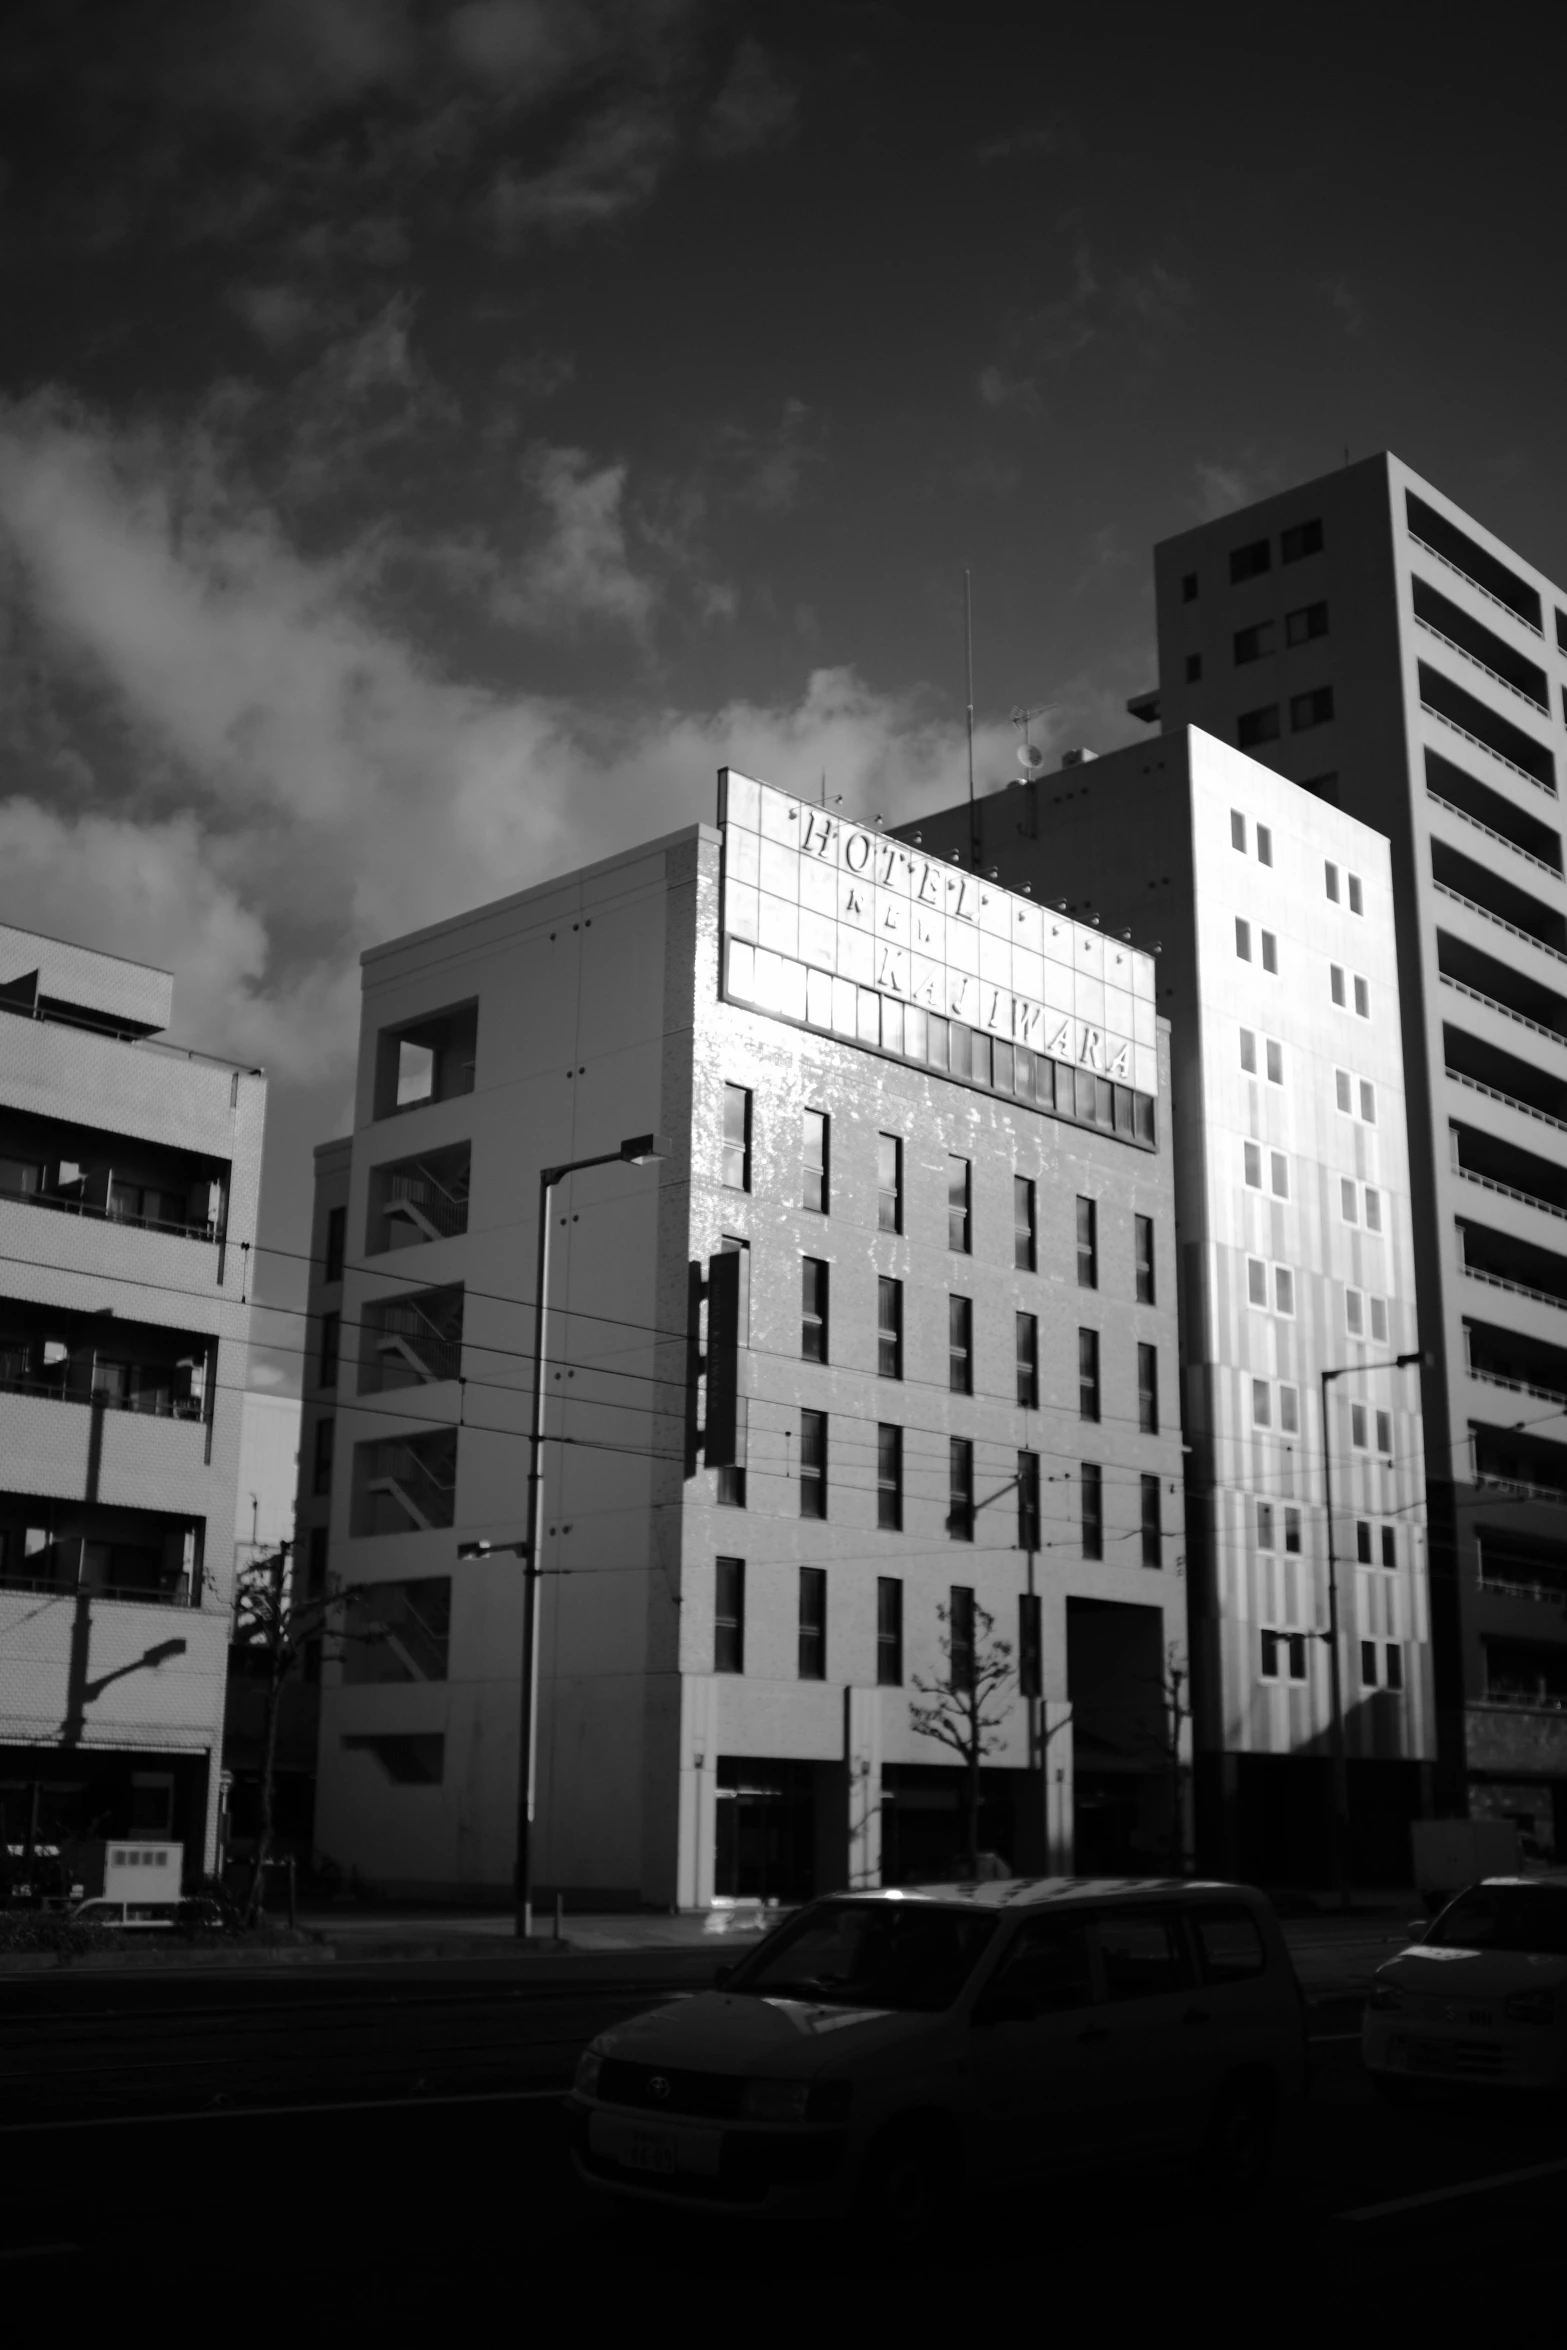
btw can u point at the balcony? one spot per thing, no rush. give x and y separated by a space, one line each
97 1360
1495 580
412 1340
405 1485
1516 1361
1469 637
1519 1085
1485 891
1523 753
416 1200
1515 1461
1501 987
1507 1262
59 1548
1522 1567
432 1059
72 1170
1484 1159
1453 789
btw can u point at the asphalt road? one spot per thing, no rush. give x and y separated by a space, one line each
389 2140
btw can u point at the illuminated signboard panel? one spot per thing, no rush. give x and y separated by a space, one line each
865 938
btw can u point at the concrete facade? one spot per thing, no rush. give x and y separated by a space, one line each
698 1738
1296 1255
1400 660
128 1182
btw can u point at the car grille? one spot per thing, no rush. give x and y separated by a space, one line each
1466 2059
655 2088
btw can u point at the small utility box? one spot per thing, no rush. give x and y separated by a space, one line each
1450 1854
128 1869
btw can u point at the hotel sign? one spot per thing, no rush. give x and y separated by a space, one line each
850 931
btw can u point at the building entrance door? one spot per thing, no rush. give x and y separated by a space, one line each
765 1837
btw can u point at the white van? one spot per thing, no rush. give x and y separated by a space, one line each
893 2050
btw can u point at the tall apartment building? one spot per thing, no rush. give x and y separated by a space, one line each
128 1179
883 1350
1274 915
1367 638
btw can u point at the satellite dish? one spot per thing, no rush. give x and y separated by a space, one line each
1030 758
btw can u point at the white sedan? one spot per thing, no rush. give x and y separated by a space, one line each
1483 1997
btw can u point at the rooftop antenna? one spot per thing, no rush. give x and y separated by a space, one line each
968 653
837 796
1029 755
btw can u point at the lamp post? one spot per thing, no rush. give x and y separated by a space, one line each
640 1150
1340 1764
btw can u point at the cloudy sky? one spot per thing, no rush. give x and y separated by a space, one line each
434 437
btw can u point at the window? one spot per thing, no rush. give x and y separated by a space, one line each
959 1185
1030 1646
737 1137
729 1616
815 1133
1243 939
1362 998
1153 1529
960 1489
1384 1432
1028 1361
1088 1374
1237 831
1330 876
889 1183
813 1309
1270 953
321 1480
1283 1290
730 1489
1368 1664
1264 845
1362 1543
813 1464
1281 1175
1373 1210
1292 1529
1252 643
1284 1656
1344 1091
813 1624
1313 709
1389 1547
1147 1390
889 1478
1249 1052
960 1345
960 1636
1253 1158
1261 1404
1304 539
1264 1525
1188 587
1306 624
315 1570
1093 1511
1256 1282
1348 1200
1142 1244
1229 1944
889 1328
1395 1665
1336 983
1023 1230
1275 1059
1379 1320
889 1632
1358 1426
1028 1503
336 1243
1289 1409
1087 1244
1356 904
1355 1313
1257 726
331 1340
1194 668
1250 561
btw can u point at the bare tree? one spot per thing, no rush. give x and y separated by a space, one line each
1163 1733
960 1710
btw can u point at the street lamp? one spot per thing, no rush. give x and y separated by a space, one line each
1340 1765
639 1150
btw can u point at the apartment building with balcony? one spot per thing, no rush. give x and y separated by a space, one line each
128 1180
1273 915
1366 637
882 1352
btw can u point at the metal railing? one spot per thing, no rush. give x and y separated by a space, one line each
1529 937
175 1594
446 1210
399 1468
1519 1387
1459 572
1541 1297
1452 808
150 1404
1506 1587
1489 749
1494 1004
1484 667
106 1214
1533 1701
437 1352
1509 1100
1528 1199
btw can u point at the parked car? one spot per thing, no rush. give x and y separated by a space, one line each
199 1915
1481 1996
891 2050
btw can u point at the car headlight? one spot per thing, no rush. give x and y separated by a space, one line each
1385 1995
1531 2007
795 2101
589 2065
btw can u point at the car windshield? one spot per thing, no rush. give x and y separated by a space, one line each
1530 1918
869 1954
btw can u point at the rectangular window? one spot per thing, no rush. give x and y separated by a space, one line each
1348 1200
1264 845
1253 1161
1088 1374
960 1176
889 1328
889 1632
1087 1243
1362 998
1289 1409
1257 726
321 1480
737 1137
1261 1404
1243 939
1395 1665
1256 1282
1358 1429
1194 668
813 1624
1028 1501
1356 903
331 1341
1093 1511
1368 1664
1313 709
1249 1052
1307 624
1252 643
315 1567
1153 1528
1304 539
889 1183
1188 587
1237 831
1389 1547
1355 1313
815 1131
1368 1102
1030 1646
1292 1530
1264 1525
960 1637
1142 1243
729 1616
1283 1290
1275 1060
1373 1210
1028 1361
1330 876
1250 561
730 1490
1147 1390
336 1243
1362 1543
1023 1229
1281 1175
1270 952
1379 1320
960 1345
813 1309
813 1464
1336 983
1269 1666
1384 1432
889 1478
960 1489
1344 1091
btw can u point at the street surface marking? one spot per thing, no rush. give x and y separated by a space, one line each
1326 2039
1504 2178
36 2251
261 2113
